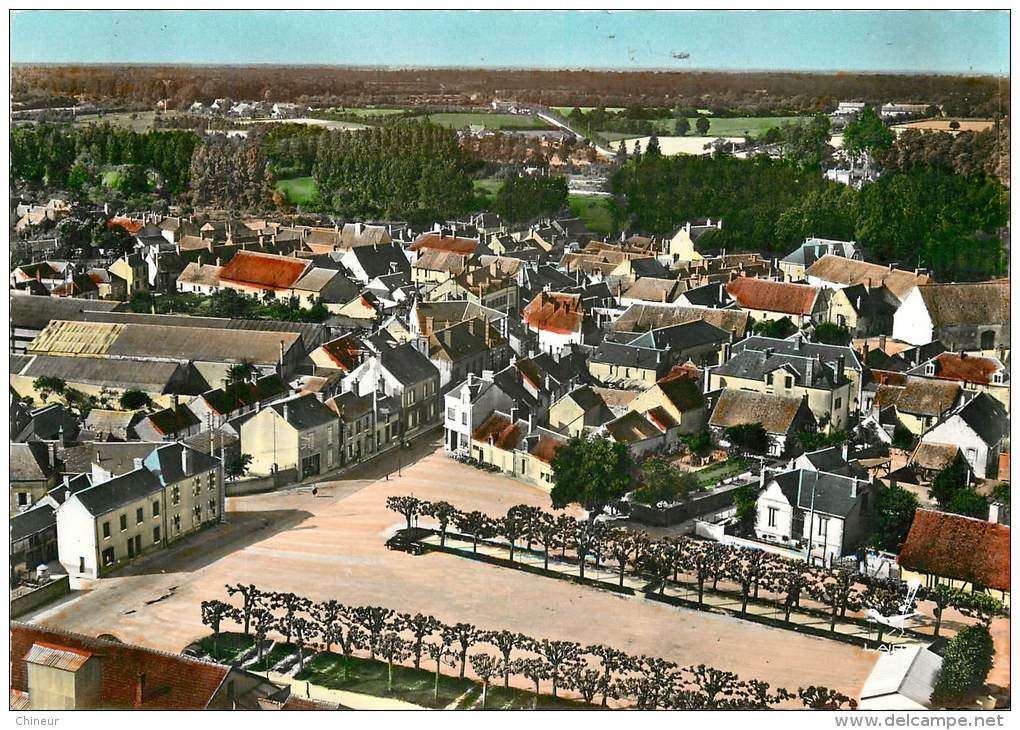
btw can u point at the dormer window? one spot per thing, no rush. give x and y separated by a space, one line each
929 368
997 377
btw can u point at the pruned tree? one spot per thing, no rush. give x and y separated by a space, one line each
534 669
214 613
885 597
565 526
532 518
613 664
462 635
579 676
505 642
438 650
406 505
476 524
624 547
823 698
335 624
420 627
511 526
251 597
486 667
373 620
393 648
788 578
547 534
262 622
291 604
653 683
759 695
304 630
716 686
443 513
558 654
839 592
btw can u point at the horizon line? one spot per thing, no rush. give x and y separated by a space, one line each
555 69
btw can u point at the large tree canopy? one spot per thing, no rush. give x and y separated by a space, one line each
591 474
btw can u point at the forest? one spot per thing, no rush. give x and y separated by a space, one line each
924 216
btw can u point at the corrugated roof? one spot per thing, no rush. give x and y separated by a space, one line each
58 657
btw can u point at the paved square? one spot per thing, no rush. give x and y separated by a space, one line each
332 546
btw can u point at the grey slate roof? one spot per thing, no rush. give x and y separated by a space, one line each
166 463
304 412
119 491
682 336
829 493
987 417
797 345
408 365
752 365
814 248
32 521
33 312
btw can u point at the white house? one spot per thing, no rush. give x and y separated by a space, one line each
823 514
979 428
557 318
969 316
467 405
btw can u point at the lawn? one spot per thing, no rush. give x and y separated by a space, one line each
719 127
456 120
417 686
364 111
593 211
712 475
488 185
299 190
567 109
225 647
277 654
111 178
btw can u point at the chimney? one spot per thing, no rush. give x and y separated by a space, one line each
881 343
840 364
845 451
853 489
285 411
185 460
281 354
809 370
140 689
138 463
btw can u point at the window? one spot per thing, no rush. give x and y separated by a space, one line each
463 419
823 526
155 534
839 403
196 487
197 514
108 557
212 507
929 368
22 498
155 508
177 523
175 495
997 377
212 480
106 529
789 381
139 516
123 523
451 415
410 395
773 512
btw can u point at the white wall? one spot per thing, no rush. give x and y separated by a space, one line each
911 322
76 538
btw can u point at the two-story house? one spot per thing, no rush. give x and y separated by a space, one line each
467 404
297 433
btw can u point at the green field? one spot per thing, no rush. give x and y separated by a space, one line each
719 127
712 475
488 185
585 109
227 646
135 121
417 686
111 178
593 211
456 120
364 111
299 190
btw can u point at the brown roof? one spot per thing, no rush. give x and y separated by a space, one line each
650 289
772 296
967 368
845 271
661 418
974 303
919 396
555 312
631 427
545 448
441 242
435 260
344 351
172 681
683 393
645 317
775 413
131 225
263 270
498 430
934 456
962 548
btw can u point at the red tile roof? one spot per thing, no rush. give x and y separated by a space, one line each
555 312
962 548
263 270
498 430
438 242
172 681
772 296
682 371
661 418
131 225
954 366
546 448
344 351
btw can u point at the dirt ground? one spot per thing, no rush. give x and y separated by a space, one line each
331 545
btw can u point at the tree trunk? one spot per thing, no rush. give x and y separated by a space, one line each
881 631
580 563
511 551
463 662
474 545
442 538
535 704
789 606
744 595
389 676
435 693
701 591
832 620
485 689
938 620
300 657
546 556
623 566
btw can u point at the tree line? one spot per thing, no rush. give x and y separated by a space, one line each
596 544
598 673
919 217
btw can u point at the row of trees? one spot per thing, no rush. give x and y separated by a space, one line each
596 544
597 673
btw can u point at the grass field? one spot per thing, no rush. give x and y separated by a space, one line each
719 127
299 190
364 111
585 109
277 654
135 121
225 647
712 475
457 120
417 686
593 211
488 185
110 178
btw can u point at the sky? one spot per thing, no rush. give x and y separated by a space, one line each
965 42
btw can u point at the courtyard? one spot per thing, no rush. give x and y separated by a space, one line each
331 545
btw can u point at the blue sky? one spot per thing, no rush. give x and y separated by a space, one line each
936 41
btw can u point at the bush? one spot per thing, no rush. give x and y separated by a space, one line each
749 437
965 665
662 482
830 333
132 400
